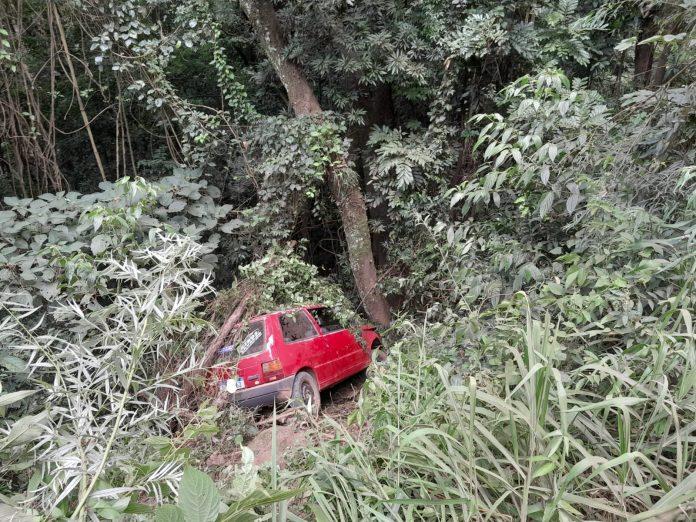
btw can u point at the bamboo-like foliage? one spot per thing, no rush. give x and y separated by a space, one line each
104 380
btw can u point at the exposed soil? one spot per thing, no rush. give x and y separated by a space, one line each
293 427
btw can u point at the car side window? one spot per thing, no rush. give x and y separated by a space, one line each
296 326
326 319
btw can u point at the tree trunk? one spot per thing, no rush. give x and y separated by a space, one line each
78 96
643 60
343 183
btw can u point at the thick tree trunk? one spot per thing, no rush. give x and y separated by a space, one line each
643 61
343 183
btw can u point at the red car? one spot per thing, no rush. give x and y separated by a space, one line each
293 354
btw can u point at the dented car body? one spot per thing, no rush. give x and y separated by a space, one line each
293 353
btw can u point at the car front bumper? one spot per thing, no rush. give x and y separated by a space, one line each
264 394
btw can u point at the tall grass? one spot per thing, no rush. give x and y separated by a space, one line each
568 435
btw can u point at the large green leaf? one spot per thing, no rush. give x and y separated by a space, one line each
12 364
169 513
199 499
546 204
26 429
99 244
243 509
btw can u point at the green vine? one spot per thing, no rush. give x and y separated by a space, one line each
234 93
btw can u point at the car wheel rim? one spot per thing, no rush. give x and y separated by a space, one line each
308 396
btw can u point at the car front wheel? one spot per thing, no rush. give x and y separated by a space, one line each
305 393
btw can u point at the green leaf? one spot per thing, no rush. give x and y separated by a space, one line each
238 510
544 470
136 508
98 220
177 205
546 204
99 244
169 513
616 402
231 225
24 430
13 364
555 288
553 151
626 43
458 196
10 398
428 502
572 202
198 497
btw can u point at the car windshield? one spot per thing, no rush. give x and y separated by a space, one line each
251 340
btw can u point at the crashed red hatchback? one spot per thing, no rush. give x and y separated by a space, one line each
293 354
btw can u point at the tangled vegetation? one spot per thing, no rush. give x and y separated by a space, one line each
507 189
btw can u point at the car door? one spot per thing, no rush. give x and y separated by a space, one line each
349 357
304 347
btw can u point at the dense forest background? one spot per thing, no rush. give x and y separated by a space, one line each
508 189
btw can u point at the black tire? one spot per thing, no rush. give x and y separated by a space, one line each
305 393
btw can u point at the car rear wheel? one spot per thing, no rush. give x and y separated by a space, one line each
305 393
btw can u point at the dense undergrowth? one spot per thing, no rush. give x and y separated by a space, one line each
574 400
557 431
532 199
571 400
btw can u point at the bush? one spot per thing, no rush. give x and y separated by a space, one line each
50 245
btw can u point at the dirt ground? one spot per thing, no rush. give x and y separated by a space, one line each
292 427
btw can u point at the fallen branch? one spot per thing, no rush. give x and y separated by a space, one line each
224 333
212 352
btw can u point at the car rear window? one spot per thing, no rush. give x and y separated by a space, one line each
251 339
326 319
296 326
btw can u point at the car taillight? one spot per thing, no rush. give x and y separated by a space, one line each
272 368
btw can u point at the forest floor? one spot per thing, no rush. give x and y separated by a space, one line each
293 428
